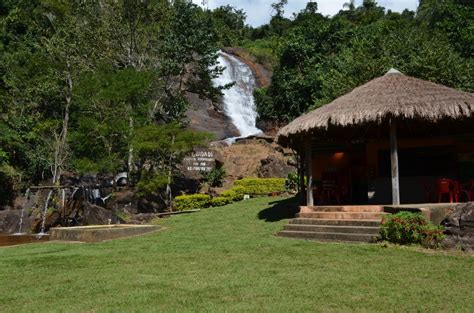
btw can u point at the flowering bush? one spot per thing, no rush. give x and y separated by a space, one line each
410 228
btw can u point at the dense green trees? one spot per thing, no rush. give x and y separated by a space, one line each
321 58
80 79
82 83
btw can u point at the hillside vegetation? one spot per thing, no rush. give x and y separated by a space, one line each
84 83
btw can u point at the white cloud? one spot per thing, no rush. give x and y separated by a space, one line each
259 11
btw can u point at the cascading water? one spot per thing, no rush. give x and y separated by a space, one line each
238 101
20 225
43 216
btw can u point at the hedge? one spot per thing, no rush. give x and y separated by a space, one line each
191 202
249 186
220 201
261 186
235 193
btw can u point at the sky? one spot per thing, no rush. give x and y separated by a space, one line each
259 11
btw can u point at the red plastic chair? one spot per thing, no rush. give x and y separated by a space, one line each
456 189
444 187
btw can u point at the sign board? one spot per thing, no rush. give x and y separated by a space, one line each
199 161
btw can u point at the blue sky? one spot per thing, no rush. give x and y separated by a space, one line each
259 11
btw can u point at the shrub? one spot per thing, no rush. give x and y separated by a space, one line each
261 186
292 181
410 228
235 194
191 202
215 177
220 201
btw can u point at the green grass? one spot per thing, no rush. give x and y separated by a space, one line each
227 259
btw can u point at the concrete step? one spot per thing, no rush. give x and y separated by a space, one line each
348 208
327 236
333 229
343 215
346 222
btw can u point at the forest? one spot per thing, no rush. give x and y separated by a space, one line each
100 85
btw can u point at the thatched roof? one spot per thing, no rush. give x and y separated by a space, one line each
393 95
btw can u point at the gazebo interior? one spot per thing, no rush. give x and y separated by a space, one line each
352 165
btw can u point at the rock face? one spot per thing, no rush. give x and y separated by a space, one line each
460 227
255 157
10 222
204 116
262 73
95 215
272 166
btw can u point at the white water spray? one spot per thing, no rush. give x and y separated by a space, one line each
238 101
20 227
45 212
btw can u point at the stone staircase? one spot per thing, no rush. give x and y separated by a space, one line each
336 223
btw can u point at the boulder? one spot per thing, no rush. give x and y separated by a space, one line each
150 204
253 158
95 215
10 222
460 227
204 116
273 166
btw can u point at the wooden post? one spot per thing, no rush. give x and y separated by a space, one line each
301 172
394 163
309 172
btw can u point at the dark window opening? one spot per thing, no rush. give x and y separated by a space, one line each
440 161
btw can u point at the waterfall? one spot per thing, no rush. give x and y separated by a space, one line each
45 212
238 101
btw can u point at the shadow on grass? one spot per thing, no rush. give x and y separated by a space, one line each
280 210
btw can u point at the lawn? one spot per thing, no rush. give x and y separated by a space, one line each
227 259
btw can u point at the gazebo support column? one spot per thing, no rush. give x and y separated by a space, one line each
394 163
309 171
302 187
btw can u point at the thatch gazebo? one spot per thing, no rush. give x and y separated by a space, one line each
422 113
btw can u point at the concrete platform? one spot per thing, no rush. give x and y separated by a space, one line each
435 212
100 232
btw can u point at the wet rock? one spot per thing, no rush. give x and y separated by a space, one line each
95 215
10 222
204 116
151 204
52 219
460 227
262 72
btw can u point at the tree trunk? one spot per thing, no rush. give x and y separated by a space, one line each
169 194
131 165
60 151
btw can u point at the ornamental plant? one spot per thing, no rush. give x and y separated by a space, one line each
220 201
192 202
407 228
235 193
261 186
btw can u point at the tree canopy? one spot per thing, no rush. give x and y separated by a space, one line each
80 79
319 58
84 84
